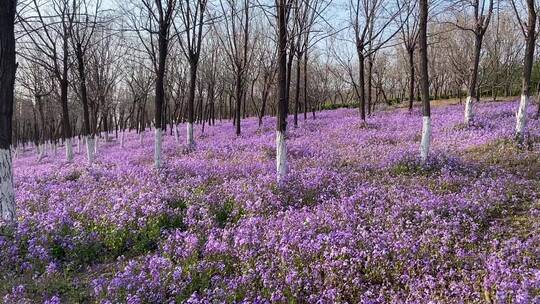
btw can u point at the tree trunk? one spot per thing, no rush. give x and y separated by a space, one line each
305 85
43 128
289 74
84 99
238 95
361 82
472 82
264 99
297 90
424 82
8 67
191 100
106 120
160 94
66 126
369 84
281 127
521 119
411 79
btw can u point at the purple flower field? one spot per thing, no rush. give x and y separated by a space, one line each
359 220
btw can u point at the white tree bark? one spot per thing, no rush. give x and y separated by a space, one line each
521 117
7 193
281 157
176 135
468 110
426 138
157 147
41 152
141 137
121 139
96 143
79 145
69 150
189 141
89 149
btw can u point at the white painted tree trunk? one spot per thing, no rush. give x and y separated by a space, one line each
426 138
521 117
107 136
468 110
176 135
96 143
7 193
189 141
41 152
121 139
78 145
69 150
90 149
281 157
157 147
141 138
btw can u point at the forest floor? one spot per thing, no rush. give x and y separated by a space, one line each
359 219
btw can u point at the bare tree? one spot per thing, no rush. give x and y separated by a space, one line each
266 63
371 21
283 11
84 21
104 73
529 32
152 20
47 43
307 14
409 35
237 46
424 81
139 81
36 81
8 66
191 15
481 12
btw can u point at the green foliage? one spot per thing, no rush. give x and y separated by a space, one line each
146 239
178 204
201 279
330 106
105 242
84 252
226 213
408 168
132 240
66 286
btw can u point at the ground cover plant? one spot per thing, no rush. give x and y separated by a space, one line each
360 219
